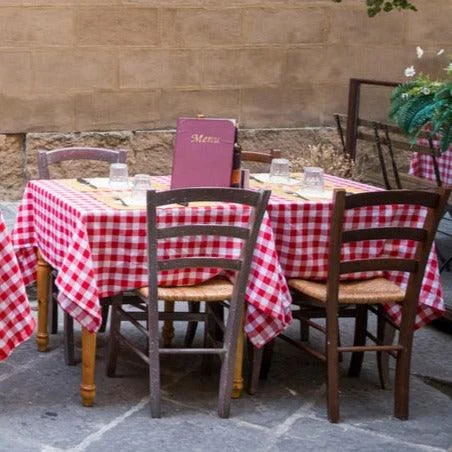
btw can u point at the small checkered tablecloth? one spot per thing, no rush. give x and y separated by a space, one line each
421 165
301 232
16 321
100 250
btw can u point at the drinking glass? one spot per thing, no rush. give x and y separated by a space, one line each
279 171
119 176
313 179
141 184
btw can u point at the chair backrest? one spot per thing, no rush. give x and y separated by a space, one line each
264 156
46 158
421 235
389 141
257 200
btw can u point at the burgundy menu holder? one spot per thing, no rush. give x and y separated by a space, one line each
203 152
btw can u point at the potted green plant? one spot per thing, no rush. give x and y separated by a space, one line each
422 105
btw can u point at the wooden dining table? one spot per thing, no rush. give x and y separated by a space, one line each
96 239
16 319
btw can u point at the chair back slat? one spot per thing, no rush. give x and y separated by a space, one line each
380 198
200 262
191 230
265 156
384 234
209 194
46 158
368 265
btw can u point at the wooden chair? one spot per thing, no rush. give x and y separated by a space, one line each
371 295
265 156
211 292
45 159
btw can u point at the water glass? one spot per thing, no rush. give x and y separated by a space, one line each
313 179
279 171
119 177
141 184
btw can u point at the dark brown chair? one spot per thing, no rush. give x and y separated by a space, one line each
211 292
55 156
264 156
370 295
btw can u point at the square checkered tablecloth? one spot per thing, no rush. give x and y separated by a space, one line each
99 251
16 320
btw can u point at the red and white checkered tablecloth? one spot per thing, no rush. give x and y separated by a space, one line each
301 232
421 165
16 321
99 251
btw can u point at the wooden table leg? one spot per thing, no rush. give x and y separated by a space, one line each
238 385
42 284
88 388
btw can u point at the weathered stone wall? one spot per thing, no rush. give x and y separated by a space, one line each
79 65
150 152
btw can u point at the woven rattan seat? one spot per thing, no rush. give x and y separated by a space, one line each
376 290
213 290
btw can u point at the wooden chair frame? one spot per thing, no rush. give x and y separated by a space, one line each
45 159
227 350
435 203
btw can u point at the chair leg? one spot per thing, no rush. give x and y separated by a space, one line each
332 365
154 360
402 377
113 341
228 365
385 335
255 359
168 327
69 346
267 356
206 360
193 306
53 306
304 332
106 302
356 361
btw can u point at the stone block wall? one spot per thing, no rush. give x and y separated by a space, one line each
83 65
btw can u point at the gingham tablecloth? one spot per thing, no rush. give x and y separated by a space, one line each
99 251
301 232
16 321
421 165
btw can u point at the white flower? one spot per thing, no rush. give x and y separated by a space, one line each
410 71
425 90
405 96
440 52
419 52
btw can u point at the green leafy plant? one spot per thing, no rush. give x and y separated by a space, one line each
376 6
422 105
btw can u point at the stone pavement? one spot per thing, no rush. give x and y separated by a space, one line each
40 407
